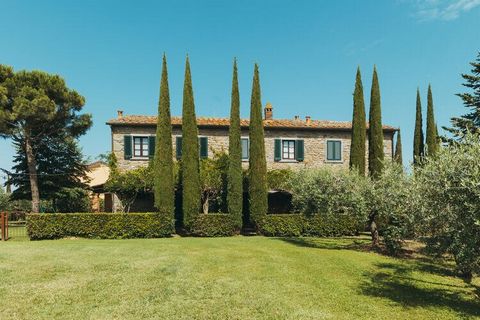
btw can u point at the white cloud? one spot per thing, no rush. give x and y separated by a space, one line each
443 9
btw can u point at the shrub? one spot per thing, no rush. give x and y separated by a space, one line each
98 225
215 225
331 225
327 191
72 200
282 225
319 225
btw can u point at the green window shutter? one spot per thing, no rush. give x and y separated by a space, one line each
127 147
178 143
299 150
203 147
151 147
278 150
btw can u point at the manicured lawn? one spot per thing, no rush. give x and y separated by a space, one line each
223 278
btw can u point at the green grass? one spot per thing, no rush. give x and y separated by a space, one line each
223 278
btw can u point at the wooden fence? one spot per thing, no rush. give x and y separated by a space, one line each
12 229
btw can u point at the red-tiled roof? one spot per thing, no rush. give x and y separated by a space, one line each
136 120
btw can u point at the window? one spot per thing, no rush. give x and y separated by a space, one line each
245 150
288 149
334 150
140 147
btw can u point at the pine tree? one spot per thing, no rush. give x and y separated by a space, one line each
164 185
375 132
432 141
190 157
235 178
359 131
471 100
418 147
398 150
257 164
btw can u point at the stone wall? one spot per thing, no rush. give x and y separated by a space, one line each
315 143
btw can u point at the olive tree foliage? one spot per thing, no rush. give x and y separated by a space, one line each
450 206
394 199
128 184
325 191
213 181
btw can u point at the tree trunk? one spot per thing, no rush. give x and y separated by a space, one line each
205 205
32 170
373 229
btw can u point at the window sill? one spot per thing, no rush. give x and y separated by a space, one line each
139 158
288 161
333 161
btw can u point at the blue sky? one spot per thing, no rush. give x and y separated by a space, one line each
308 51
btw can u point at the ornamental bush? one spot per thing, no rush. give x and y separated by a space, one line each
336 192
99 225
316 225
215 225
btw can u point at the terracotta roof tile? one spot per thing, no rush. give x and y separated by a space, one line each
138 120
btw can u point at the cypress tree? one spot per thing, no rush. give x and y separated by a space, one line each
257 162
398 150
164 188
359 131
375 132
418 147
235 178
190 164
432 140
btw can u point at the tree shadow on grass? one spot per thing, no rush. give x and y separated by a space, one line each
341 243
396 282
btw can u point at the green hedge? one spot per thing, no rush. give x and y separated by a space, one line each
318 225
98 225
282 225
215 225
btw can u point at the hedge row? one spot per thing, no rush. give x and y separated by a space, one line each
215 225
318 225
98 225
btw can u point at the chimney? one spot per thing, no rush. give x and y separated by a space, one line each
268 111
296 118
120 114
308 119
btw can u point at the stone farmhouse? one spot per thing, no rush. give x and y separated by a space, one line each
289 143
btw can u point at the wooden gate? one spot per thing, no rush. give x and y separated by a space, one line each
12 226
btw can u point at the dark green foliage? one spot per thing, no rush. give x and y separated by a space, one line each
257 162
469 122
72 200
418 146
375 132
164 184
359 130
60 166
398 150
431 140
317 225
282 225
191 192
235 183
215 225
98 225
35 106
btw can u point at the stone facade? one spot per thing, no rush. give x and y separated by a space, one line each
315 145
